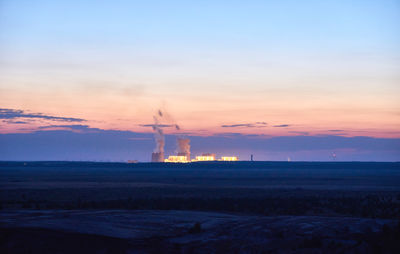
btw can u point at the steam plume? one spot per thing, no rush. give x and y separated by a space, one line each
158 135
184 147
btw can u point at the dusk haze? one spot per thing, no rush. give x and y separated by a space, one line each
213 126
322 76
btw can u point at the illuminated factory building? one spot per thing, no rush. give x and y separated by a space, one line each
205 157
177 159
229 158
183 153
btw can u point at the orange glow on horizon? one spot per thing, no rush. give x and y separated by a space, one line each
351 116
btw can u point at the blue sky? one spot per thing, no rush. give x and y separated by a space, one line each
228 24
217 67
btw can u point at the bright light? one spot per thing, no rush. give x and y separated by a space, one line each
177 159
229 158
210 157
204 157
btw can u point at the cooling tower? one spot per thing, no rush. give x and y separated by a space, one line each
157 157
184 147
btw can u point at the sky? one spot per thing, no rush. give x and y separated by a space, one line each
277 79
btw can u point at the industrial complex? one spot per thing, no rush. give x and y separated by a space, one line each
183 155
183 145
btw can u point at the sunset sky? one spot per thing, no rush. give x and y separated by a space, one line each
250 71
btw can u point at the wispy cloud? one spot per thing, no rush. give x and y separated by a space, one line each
300 132
141 138
6 113
73 127
246 125
281 125
159 125
10 121
336 130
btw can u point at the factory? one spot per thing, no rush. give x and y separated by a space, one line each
206 157
229 158
177 159
185 159
183 155
183 147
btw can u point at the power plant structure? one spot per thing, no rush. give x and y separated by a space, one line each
183 155
184 159
229 158
183 145
206 157
157 157
177 159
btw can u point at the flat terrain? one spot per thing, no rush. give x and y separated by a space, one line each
242 207
174 231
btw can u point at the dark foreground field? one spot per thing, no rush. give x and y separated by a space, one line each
242 207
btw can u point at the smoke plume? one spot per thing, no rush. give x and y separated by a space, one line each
158 135
184 145
162 115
